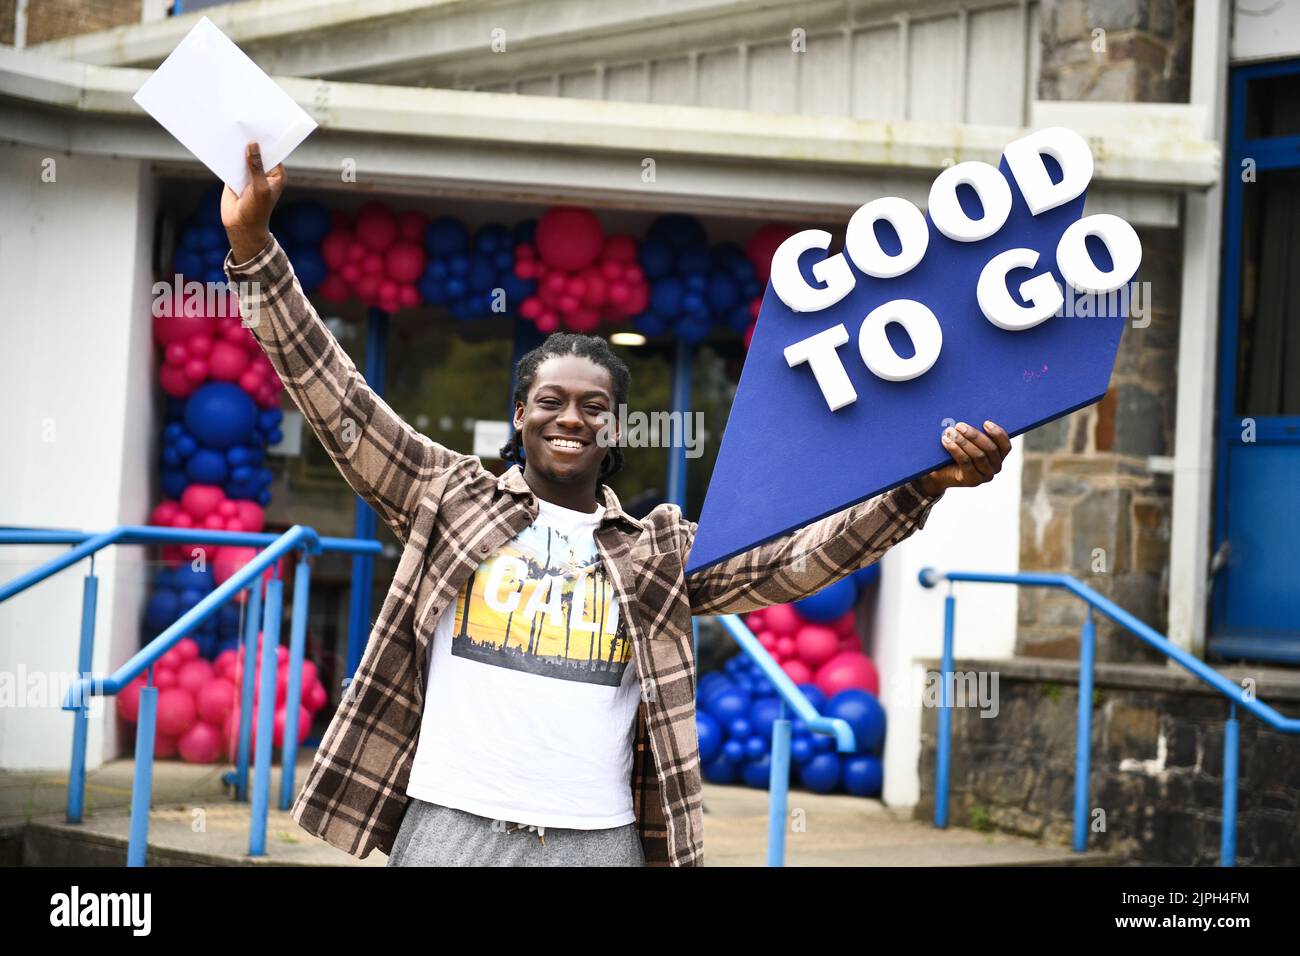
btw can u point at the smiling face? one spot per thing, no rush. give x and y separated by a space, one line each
569 402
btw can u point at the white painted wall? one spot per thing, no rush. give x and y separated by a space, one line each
969 529
77 433
1265 29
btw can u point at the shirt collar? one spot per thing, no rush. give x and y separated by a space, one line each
513 481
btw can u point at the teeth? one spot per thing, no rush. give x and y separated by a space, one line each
564 443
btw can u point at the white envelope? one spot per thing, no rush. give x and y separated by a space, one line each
215 100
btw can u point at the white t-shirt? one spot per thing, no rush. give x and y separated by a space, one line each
532 696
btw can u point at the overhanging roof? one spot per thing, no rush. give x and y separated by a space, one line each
552 148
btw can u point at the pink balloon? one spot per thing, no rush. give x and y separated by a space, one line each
171 660
762 246
164 746
404 261
315 698
232 731
568 237
620 248
196 370
754 620
216 699
768 640
251 516
199 501
304 725
845 624
334 288
193 675
128 700
783 619
175 382
229 560
334 248
176 711
848 669
785 646
410 225
408 296
376 226
165 513
815 645
227 362
200 744
797 671
224 665
178 326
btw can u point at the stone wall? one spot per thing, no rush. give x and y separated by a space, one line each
55 19
1156 781
1093 504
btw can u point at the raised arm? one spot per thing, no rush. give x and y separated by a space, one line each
803 562
385 460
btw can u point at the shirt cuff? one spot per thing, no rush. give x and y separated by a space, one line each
914 499
259 263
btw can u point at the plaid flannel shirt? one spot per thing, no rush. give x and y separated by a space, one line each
450 513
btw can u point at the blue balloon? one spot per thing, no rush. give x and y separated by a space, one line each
186 577
209 211
445 236
734 751
815 696
821 774
763 713
756 747
174 482
864 776
720 770
739 728
188 263
823 743
162 610
861 711
757 773
710 736
801 750
305 222
829 603
308 265
868 575
728 704
206 467
220 415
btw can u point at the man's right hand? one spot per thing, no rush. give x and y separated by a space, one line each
247 217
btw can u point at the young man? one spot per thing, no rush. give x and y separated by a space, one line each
527 695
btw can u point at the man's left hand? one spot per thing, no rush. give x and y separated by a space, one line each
976 457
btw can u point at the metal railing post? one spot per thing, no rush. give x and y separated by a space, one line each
943 757
137 846
80 729
1228 835
252 623
293 694
265 718
778 790
1083 731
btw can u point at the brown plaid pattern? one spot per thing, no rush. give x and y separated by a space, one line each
450 513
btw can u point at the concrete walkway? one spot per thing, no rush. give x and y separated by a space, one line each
195 822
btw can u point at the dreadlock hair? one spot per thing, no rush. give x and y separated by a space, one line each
591 347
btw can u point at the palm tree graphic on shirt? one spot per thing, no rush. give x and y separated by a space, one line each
544 606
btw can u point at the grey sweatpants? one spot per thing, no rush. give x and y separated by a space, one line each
434 835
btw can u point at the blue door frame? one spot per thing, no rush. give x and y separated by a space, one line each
1253 492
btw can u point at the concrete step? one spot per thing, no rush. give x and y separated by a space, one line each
195 822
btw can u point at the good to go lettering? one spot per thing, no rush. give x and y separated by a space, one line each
1041 293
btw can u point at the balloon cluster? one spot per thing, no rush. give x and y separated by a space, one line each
378 257
198 701
208 508
201 243
219 437
760 248
176 591
205 341
301 227
815 643
584 278
464 275
693 288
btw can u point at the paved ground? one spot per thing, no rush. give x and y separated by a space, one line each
194 821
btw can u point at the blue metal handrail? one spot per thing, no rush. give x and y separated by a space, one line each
792 696
248 578
1236 695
